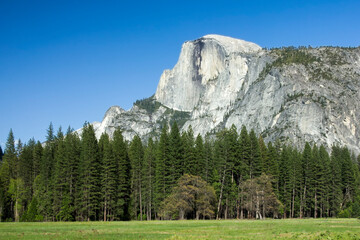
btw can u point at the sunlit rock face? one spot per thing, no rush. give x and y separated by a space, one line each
211 69
294 95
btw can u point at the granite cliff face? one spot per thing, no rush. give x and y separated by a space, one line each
211 69
295 95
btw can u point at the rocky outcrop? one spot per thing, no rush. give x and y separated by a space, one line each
295 95
210 69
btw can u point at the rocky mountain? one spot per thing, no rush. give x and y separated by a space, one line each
292 94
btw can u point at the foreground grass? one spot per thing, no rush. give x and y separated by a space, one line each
224 229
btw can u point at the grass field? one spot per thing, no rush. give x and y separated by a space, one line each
224 229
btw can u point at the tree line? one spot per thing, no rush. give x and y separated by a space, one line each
75 177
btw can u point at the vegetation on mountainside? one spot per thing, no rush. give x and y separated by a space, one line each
286 56
318 64
149 104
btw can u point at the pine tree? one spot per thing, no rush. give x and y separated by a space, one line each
335 196
176 157
347 175
271 167
264 153
108 178
32 212
307 174
8 171
314 188
199 155
72 152
208 161
219 170
324 181
46 171
26 170
225 156
90 175
136 154
37 156
162 171
9 175
255 163
242 165
10 155
67 158
60 190
53 192
149 177
123 176
295 181
231 188
285 188
59 135
50 133
232 146
187 139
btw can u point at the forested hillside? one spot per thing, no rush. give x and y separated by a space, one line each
178 176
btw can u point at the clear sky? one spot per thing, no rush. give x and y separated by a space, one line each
67 62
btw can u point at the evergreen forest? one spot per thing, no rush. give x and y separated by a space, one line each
235 175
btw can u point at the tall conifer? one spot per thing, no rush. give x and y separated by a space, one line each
255 163
335 196
90 175
72 152
37 156
324 181
347 174
162 171
189 151
136 154
61 190
199 155
263 152
176 151
108 178
10 154
244 155
307 174
149 177
46 171
285 188
123 174
208 161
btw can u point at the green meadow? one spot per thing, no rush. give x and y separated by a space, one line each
187 229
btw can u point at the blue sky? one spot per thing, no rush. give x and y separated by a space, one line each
67 62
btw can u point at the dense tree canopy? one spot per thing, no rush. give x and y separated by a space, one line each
235 174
